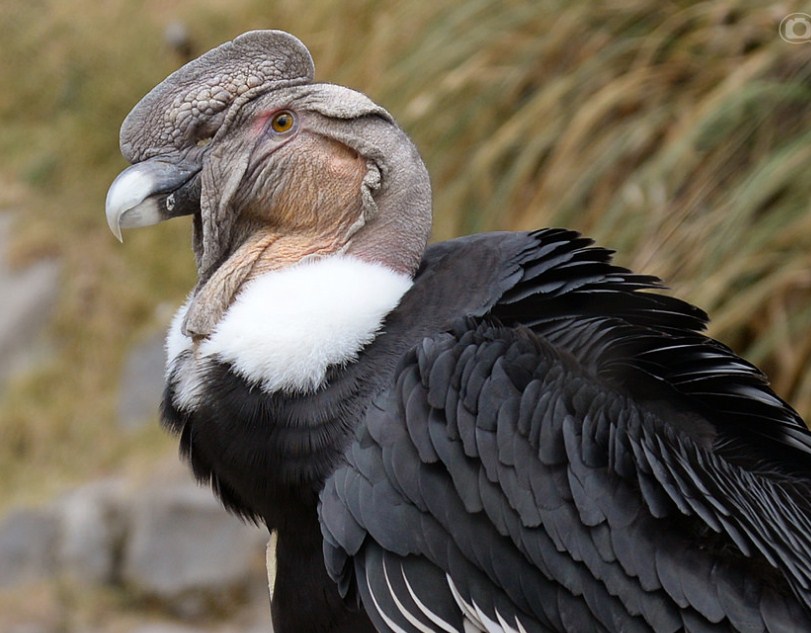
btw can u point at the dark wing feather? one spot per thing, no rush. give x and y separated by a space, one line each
556 283
577 509
652 339
575 457
554 280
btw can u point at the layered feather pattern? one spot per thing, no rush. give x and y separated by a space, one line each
577 457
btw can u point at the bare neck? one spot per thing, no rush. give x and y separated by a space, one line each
397 234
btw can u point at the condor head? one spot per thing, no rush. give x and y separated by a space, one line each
274 168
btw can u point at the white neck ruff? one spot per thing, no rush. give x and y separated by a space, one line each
286 327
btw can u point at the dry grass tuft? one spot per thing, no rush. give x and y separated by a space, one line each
678 133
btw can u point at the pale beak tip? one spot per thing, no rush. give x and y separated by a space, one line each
113 222
140 195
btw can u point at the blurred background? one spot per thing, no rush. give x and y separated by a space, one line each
677 133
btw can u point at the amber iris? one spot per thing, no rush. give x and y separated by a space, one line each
282 122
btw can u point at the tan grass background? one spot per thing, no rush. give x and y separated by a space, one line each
678 133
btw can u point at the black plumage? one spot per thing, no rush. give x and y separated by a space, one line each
528 438
576 464
540 433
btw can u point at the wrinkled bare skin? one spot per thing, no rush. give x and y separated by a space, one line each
343 178
313 210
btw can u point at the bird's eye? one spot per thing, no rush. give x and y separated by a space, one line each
282 122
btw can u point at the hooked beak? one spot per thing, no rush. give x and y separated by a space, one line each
150 192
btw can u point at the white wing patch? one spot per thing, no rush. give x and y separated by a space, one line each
442 624
286 327
411 619
418 627
476 621
389 622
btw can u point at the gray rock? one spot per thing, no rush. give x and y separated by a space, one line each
185 550
142 383
164 627
92 528
29 297
28 538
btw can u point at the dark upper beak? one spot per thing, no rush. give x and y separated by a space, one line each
152 191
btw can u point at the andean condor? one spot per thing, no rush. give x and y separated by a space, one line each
503 432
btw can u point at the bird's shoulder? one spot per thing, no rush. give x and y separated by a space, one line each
620 326
554 384
504 460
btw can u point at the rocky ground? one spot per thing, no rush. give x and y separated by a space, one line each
33 291
174 561
152 555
